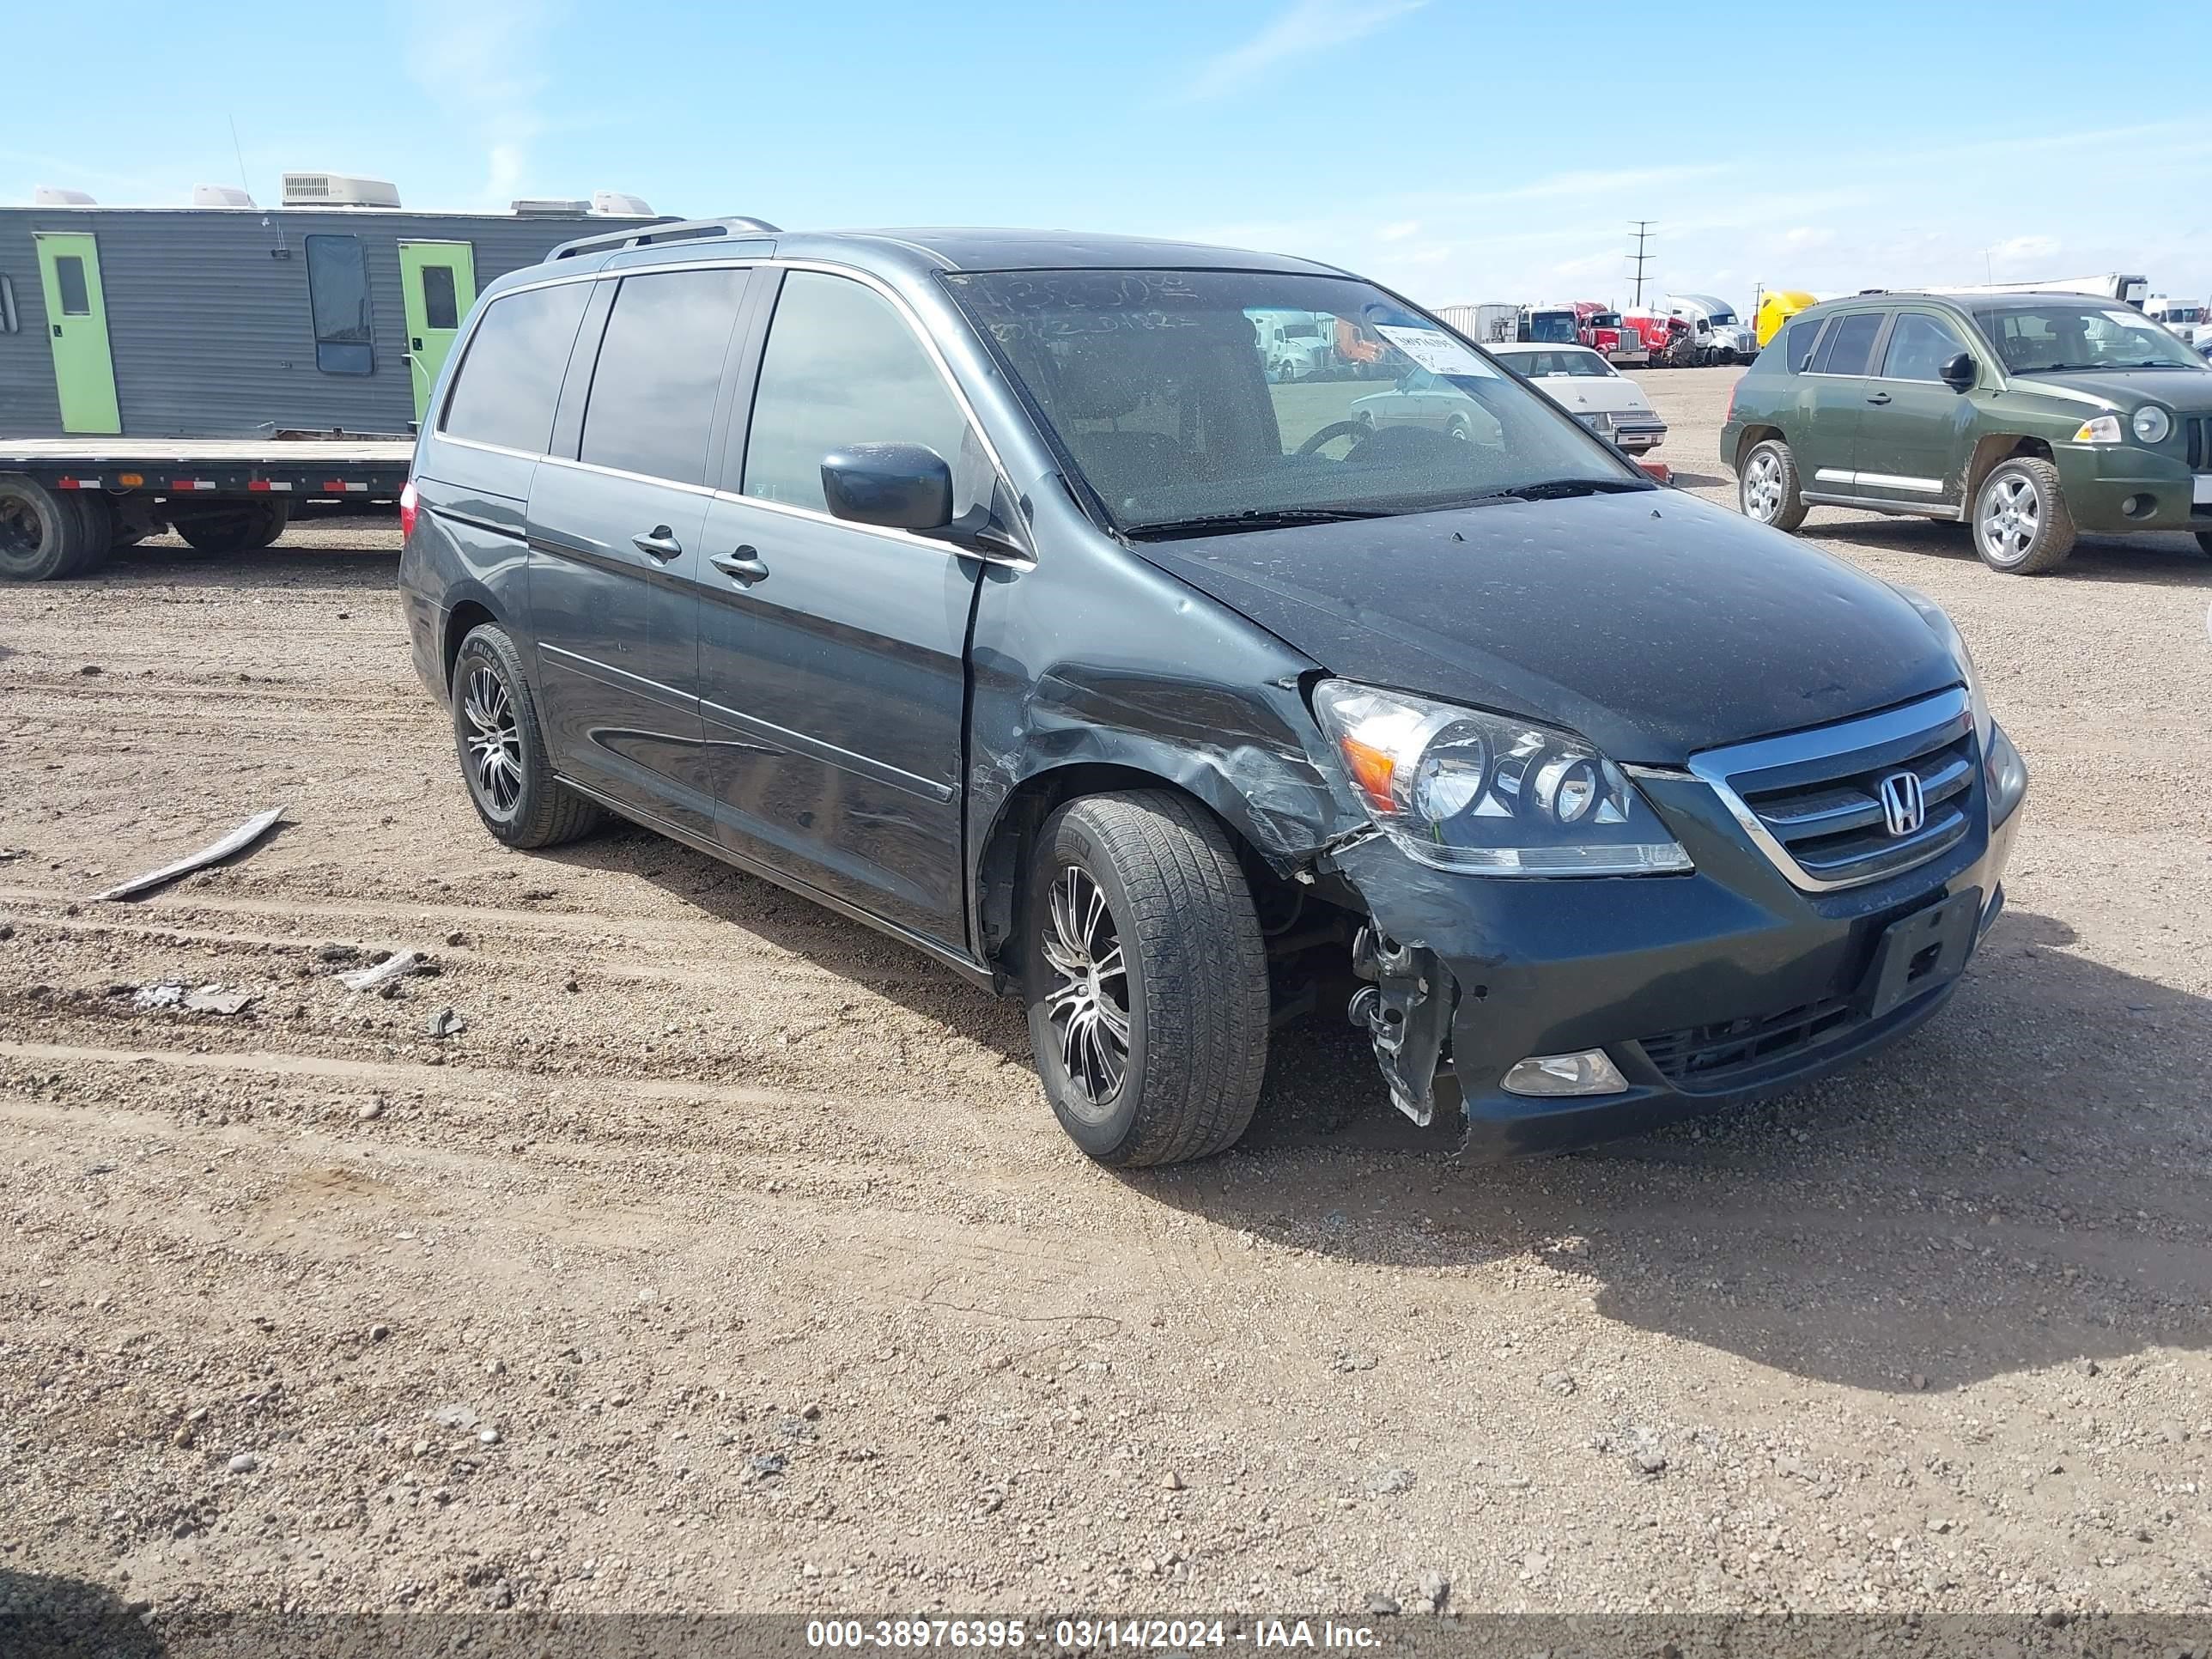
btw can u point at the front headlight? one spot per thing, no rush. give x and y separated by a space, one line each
2151 424
1491 794
2104 430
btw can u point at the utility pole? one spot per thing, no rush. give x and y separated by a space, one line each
1643 236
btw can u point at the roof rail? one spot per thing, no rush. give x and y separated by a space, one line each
667 230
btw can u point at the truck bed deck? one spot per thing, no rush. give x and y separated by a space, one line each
219 451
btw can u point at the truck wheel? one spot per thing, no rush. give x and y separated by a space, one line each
234 528
1145 977
43 533
2204 540
2021 525
1767 486
96 520
501 747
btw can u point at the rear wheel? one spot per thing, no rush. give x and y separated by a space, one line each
2204 540
502 748
1767 486
44 534
1146 979
234 527
2021 526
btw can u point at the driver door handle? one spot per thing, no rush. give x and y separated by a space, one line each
1878 398
660 541
742 567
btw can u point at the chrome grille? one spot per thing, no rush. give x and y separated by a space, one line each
1812 800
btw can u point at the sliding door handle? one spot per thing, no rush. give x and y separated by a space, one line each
661 542
742 567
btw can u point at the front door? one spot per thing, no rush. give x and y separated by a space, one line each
437 286
833 657
76 326
1913 442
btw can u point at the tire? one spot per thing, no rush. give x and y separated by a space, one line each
2020 524
96 526
236 529
1767 486
44 534
495 714
2204 540
1173 906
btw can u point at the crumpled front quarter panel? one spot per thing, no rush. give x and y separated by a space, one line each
1095 657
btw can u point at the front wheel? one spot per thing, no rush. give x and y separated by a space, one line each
2204 540
1767 486
1146 979
2021 526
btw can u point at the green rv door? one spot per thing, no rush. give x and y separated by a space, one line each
77 323
438 284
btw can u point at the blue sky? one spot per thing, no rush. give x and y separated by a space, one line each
1458 150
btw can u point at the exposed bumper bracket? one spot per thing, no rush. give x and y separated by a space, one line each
1406 1012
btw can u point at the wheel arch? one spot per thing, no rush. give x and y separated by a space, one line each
468 612
1751 437
1992 452
1007 846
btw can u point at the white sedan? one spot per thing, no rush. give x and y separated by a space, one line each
1588 388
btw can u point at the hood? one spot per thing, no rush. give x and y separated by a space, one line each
2188 390
1653 623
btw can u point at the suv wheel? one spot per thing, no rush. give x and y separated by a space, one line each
502 749
2021 525
1766 487
1146 979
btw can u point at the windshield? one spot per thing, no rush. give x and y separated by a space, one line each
2184 314
1156 387
1553 325
1605 319
2045 338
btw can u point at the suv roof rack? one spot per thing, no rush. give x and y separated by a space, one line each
668 230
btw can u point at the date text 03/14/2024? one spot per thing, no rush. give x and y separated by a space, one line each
1087 1634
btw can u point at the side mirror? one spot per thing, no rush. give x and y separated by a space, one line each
1958 372
896 486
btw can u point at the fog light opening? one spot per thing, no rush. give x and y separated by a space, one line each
2139 506
1589 1072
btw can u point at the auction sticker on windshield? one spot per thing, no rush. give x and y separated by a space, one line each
1435 350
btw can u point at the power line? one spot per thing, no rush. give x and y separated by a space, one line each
1639 258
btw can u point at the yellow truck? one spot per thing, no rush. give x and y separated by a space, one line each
1777 307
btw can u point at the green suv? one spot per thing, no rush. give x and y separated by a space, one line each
2029 416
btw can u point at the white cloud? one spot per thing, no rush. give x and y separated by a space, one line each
1803 236
1399 231
1306 28
2013 249
483 65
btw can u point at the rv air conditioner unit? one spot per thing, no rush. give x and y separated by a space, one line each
54 195
621 202
220 196
548 207
336 190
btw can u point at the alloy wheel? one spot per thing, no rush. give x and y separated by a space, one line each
494 742
1089 1001
2011 514
1762 486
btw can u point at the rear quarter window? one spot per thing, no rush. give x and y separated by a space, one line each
1848 345
509 381
1798 341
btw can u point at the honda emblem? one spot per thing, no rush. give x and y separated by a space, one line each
1904 803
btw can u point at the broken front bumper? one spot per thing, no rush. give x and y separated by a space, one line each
1703 989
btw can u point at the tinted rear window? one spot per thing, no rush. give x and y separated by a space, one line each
511 379
660 366
1849 344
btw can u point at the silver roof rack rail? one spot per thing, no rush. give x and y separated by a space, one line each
670 230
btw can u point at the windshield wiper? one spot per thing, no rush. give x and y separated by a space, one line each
1552 489
1257 517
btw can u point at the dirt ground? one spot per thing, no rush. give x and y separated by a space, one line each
728 1257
